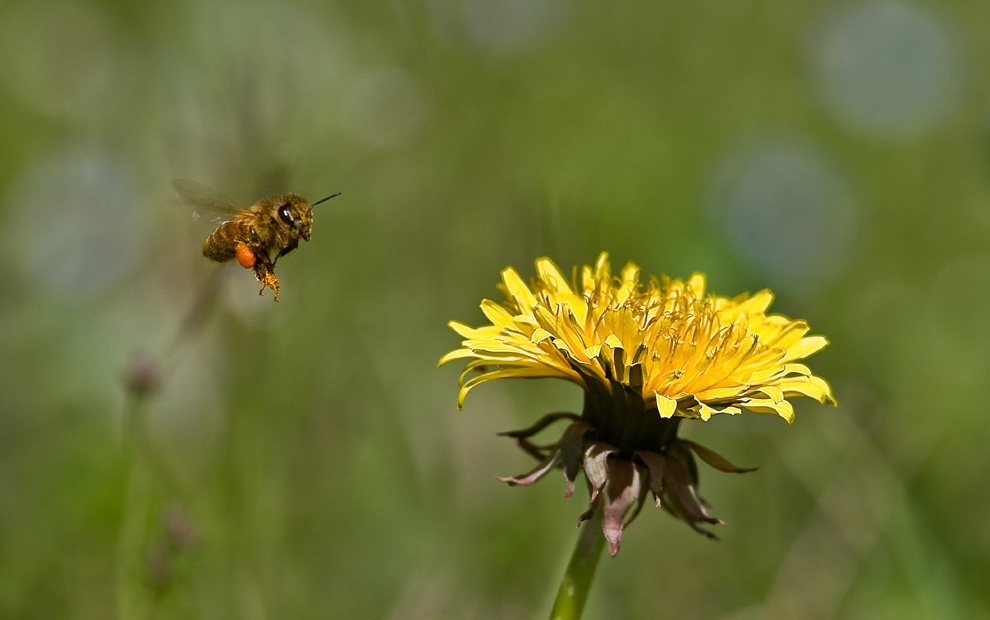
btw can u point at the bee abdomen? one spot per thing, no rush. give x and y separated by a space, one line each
221 245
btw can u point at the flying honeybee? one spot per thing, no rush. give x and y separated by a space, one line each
256 236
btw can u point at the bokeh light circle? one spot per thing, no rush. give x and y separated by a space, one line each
888 68
786 212
76 221
502 27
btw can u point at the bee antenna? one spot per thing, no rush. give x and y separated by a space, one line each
325 199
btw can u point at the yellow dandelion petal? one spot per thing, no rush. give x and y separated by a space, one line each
728 410
812 387
666 406
629 282
706 412
496 350
767 374
722 393
603 269
557 287
503 373
613 341
593 352
772 392
570 333
550 275
782 336
456 354
476 368
696 285
539 335
799 369
524 321
480 333
766 405
758 303
592 278
498 314
807 346
520 293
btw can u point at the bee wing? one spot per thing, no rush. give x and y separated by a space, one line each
205 198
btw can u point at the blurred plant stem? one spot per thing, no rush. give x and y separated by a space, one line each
130 593
143 380
580 571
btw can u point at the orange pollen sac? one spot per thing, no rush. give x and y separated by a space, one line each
245 256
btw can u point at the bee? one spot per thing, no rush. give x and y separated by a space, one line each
256 236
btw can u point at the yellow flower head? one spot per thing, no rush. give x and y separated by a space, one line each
647 356
693 355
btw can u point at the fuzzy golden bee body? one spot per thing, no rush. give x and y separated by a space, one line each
256 236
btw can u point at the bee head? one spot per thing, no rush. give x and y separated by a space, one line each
293 211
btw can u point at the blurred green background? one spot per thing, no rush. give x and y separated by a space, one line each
306 460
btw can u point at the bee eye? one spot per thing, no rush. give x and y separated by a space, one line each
284 214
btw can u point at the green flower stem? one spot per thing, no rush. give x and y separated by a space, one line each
580 571
130 601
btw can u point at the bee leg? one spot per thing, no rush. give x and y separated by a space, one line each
271 281
291 245
264 272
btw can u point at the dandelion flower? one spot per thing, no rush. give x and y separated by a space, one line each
647 355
